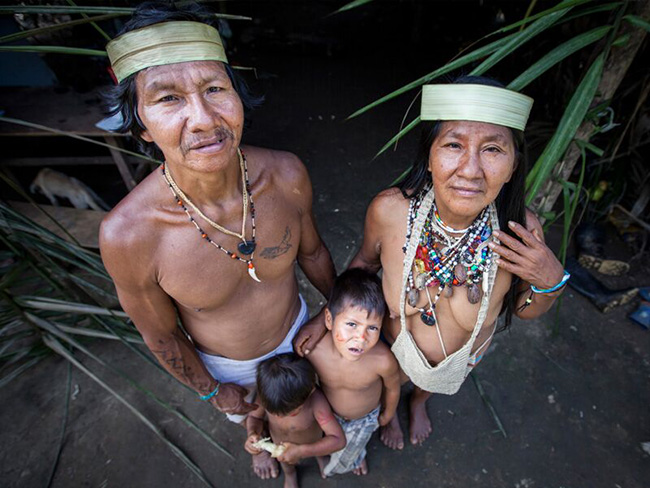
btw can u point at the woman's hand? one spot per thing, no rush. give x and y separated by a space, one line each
531 259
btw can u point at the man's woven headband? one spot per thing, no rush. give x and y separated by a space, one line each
164 43
478 103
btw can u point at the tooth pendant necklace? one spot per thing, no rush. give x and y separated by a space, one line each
246 248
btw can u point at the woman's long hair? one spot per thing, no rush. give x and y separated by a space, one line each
511 199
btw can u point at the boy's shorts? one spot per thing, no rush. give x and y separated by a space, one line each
357 434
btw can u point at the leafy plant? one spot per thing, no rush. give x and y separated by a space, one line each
52 300
549 175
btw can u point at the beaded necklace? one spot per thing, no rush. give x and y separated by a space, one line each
245 247
446 261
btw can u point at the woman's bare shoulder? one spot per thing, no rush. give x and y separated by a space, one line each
389 205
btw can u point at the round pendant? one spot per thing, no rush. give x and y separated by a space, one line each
246 247
473 294
412 297
460 272
428 318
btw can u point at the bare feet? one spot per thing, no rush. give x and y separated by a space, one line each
391 435
419 423
290 476
363 469
322 462
265 466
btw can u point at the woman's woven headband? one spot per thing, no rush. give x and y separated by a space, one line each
478 103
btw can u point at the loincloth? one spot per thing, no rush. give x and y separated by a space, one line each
357 434
243 373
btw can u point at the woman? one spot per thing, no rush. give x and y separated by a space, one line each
456 244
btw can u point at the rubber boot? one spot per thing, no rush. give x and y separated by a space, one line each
590 241
602 297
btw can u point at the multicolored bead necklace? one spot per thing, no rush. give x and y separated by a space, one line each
445 260
245 247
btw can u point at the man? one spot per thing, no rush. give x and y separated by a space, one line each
211 236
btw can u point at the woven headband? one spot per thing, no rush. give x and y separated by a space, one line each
164 43
478 103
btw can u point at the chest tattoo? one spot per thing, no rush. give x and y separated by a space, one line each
280 249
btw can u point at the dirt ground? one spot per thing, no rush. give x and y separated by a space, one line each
574 405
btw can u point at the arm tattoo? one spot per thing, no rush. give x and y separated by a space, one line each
280 249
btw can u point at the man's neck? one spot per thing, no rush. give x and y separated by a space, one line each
206 189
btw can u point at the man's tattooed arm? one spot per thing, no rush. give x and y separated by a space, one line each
178 356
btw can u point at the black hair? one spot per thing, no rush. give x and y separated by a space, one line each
284 383
122 99
511 201
359 288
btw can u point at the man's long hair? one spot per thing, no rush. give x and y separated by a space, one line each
511 199
122 99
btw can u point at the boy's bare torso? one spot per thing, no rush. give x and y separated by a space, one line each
301 428
353 388
225 311
456 316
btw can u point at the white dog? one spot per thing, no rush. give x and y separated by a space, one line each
54 184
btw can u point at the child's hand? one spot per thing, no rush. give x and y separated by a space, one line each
384 419
252 439
292 454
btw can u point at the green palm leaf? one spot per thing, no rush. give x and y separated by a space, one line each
400 134
519 40
560 6
53 49
351 5
638 22
458 63
52 28
571 120
556 55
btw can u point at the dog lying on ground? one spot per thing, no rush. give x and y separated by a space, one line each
54 184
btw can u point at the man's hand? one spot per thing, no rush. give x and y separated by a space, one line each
291 455
252 439
531 259
231 400
309 335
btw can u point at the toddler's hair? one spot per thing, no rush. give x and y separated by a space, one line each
359 288
284 383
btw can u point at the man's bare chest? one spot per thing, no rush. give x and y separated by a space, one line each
198 273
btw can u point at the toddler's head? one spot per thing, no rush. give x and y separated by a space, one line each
355 312
284 383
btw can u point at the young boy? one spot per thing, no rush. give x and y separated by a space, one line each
297 412
358 374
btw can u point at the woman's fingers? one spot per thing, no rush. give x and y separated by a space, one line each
506 252
510 267
526 236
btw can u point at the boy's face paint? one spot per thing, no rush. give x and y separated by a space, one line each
354 331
